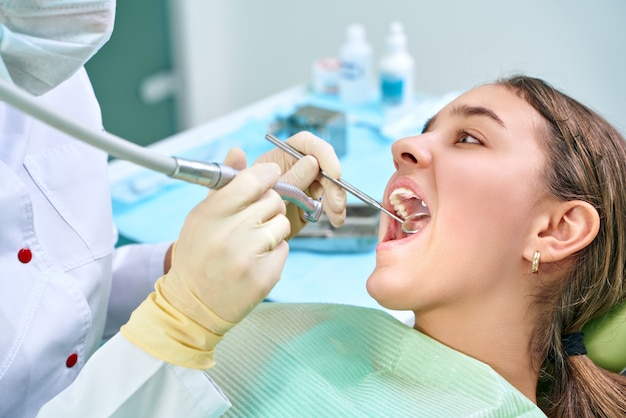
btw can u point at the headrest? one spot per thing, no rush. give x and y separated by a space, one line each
605 339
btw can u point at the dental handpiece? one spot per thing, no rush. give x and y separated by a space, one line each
211 175
215 176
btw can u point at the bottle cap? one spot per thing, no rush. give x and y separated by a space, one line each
397 37
356 32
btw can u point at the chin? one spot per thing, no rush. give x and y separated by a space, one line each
387 292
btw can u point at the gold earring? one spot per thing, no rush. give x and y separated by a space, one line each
535 266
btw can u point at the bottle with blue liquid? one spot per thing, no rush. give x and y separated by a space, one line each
396 70
355 74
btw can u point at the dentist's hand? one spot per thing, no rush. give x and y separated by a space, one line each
305 174
232 248
229 255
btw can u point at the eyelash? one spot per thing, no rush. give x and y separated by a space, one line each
461 133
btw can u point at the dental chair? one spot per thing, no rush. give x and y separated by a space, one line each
605 340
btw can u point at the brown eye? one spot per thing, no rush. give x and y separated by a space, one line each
466 138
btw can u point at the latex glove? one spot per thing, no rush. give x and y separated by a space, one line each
305 174
228 256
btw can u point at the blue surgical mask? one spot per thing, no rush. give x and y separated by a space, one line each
44 42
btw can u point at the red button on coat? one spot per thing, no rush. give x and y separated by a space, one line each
71 361
24 255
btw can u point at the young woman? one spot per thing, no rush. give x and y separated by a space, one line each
519 179
522 242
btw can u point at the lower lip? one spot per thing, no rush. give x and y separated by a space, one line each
387 245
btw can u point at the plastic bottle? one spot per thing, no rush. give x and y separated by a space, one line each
355 75
396 70
325 72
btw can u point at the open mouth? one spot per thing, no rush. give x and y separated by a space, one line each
410 208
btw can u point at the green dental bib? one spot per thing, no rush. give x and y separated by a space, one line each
321 360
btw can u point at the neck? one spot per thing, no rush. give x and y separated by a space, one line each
499 336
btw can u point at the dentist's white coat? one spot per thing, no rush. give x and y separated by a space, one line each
63 286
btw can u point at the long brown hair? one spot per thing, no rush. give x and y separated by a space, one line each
586 161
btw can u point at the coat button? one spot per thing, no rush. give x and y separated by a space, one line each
71 361
24 255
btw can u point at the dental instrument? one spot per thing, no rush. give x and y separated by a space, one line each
211 175
349 188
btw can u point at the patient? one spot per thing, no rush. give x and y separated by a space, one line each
525 243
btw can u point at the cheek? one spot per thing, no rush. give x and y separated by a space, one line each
486 237
491 201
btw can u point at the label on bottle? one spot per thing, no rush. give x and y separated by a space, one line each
354 82
352 71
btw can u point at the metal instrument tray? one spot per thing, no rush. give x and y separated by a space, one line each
358 234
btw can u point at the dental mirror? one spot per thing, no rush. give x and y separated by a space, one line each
413 223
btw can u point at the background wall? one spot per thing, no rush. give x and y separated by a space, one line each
132 74
233 52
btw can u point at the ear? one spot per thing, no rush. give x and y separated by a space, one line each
568 228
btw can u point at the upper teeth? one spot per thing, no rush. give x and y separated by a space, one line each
399 197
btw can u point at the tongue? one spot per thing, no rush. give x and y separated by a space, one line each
414 206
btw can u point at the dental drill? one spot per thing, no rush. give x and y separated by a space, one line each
215 176
211 175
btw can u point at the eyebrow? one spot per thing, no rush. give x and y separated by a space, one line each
466 110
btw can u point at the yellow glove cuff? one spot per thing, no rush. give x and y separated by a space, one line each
163 331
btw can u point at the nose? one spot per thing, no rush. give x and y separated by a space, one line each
411 152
